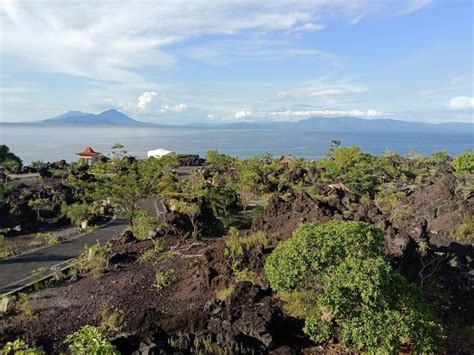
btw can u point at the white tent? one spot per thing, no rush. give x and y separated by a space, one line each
158 153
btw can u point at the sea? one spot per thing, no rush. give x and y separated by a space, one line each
51 143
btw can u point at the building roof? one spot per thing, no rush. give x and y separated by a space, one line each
89 152
161 152
286 159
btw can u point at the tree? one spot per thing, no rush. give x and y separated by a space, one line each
191 210
6 155
127 190
76 212
117 151
37 205
9 165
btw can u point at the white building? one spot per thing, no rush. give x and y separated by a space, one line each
158 153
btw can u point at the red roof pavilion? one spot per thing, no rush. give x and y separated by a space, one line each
88 152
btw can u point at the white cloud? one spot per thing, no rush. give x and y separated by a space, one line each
322 90
291 114
145 99
242 114
113 41
462 103
180 107
176 108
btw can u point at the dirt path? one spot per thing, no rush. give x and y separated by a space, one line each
16 272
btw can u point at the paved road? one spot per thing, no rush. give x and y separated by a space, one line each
15 272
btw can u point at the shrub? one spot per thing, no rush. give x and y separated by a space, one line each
313 248
49 238
23 306
76 212
19 347
464 163
373 308
143 224
225 292
112 318
236 245
90 340
336 277
465 232
92 259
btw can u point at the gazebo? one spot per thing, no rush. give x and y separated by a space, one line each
89 155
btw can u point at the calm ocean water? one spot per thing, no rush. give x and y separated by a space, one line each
51 143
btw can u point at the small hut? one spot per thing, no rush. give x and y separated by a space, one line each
286 159
89 155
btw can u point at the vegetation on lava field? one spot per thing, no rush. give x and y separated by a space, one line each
354 251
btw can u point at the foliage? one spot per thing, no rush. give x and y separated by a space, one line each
143 224
236 246
4 190
111 319
76 212
464 163
4 250
205 345
49 238
153 254
388 199
6 155
92 259
90 340
465 232
163 279
336 277
225 292
313 248
19 347
191 210
133 183
38 164
248 275
24 307
37 205
217 160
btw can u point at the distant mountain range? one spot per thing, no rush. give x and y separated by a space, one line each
115 117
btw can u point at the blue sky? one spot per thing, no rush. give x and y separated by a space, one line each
225 61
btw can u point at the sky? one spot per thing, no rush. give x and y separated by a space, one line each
180 62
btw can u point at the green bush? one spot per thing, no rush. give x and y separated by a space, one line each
90 340
143 224
19 347
92 259
76 212
464 163
464 233
313 248
336 277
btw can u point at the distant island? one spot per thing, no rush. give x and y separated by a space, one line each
111 116
115 117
